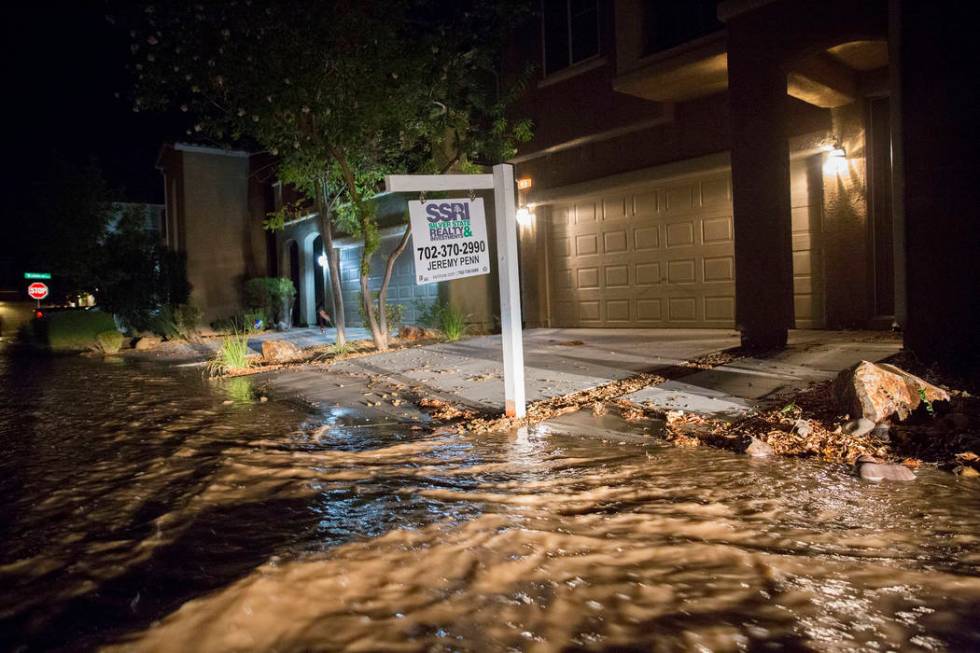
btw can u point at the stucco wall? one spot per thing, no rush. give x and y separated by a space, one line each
219 238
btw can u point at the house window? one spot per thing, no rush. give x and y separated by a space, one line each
669 23
571 33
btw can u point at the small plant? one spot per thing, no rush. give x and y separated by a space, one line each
273 296
929 407
186 317
109 342
233 354
394 313
341 350
443 316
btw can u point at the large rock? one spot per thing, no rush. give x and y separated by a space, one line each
880 391
873 470
411 333
279 351
146 343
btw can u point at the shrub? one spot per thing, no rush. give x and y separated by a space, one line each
72 330
233 354
109 342
186 318
241 322
444 316
271 295
163 323
394 313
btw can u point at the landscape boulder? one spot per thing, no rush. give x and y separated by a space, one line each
878 392
411 333
146 343
758 449
872 470
279 351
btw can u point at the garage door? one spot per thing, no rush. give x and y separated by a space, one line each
660 255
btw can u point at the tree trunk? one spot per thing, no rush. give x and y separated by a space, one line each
389 269
336 293
380 337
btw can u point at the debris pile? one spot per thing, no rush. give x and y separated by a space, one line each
902 418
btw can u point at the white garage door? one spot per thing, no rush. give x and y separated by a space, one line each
660 255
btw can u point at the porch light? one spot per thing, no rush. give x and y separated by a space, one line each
322 260
525 216
836 162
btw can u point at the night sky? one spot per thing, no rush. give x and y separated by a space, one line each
63 64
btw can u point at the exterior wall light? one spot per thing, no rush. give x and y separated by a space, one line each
322 260
525 216
836 162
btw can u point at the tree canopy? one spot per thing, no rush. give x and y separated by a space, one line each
340 92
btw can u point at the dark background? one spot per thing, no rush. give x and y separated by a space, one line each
63 64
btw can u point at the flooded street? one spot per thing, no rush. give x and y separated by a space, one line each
141 511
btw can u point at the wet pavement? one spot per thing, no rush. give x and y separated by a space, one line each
145 508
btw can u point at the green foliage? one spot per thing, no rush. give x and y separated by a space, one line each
928 404
138 277
186 319
240 322
233 354
65 223
109 342
271 298
443 316
72 330
341 350
339 93
394 312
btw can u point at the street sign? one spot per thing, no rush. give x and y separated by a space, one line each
37 290
501 182
450 239
37 275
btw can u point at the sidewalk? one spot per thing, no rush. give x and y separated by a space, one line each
561 361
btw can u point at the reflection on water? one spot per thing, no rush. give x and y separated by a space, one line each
141 512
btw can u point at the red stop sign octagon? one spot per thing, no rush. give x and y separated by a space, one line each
37 291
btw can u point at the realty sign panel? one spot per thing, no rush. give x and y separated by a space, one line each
450 238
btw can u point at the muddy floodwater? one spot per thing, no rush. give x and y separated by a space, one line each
143 508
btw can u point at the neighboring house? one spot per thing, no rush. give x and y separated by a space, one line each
215 203
750 164
153 215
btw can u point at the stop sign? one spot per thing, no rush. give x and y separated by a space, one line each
37 290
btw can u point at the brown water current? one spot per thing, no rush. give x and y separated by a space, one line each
140 511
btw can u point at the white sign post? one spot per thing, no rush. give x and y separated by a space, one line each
457 252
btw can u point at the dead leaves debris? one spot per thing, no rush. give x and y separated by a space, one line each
807 423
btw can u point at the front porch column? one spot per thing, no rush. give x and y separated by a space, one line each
760 190
305 292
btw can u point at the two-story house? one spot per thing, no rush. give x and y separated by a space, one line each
752 164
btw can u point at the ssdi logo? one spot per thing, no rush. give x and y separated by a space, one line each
448 220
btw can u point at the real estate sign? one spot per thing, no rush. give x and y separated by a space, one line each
450 239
